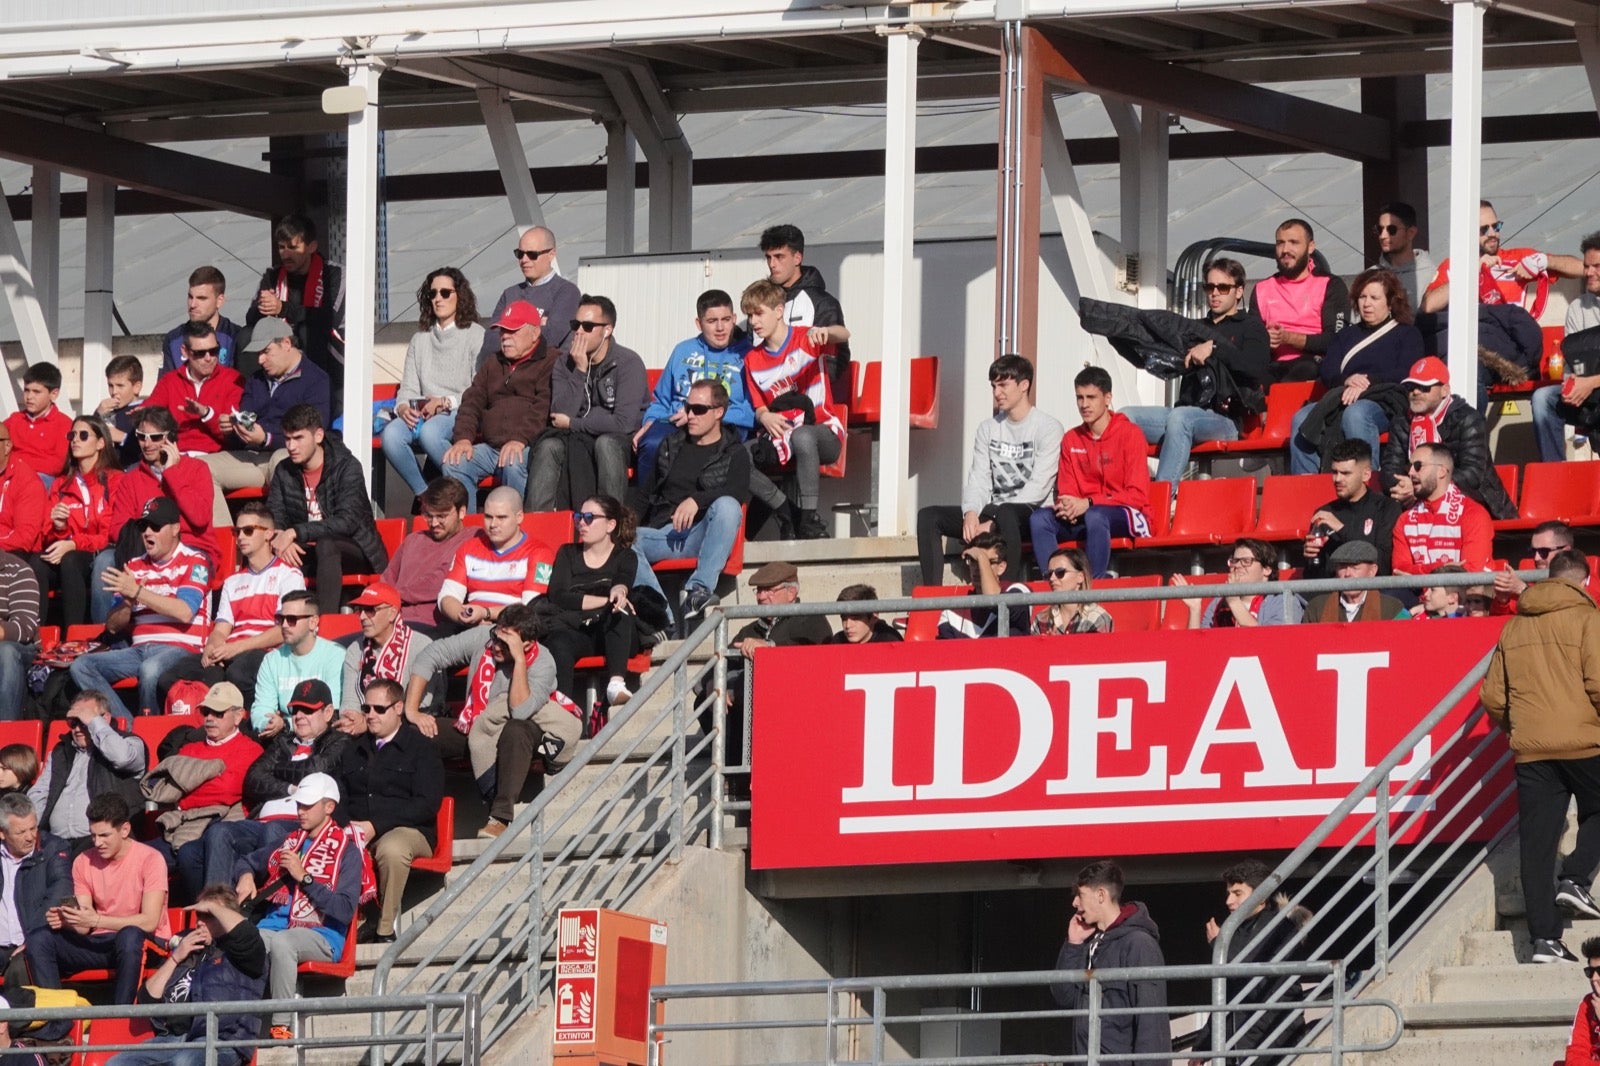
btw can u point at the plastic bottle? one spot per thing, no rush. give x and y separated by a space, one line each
1557 366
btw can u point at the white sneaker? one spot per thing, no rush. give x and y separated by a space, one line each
618 692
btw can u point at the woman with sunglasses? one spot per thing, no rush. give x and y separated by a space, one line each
440 361
1363 371
1069 572
79 512
589 587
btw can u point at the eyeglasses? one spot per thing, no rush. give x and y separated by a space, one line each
1242 561
290 619
150 438
583 518
438 294
377 708
701 408
1388 230
535 256
1420 465
1059 572
370 608
1484 231
203 353
1590 971
587 327
251 529
1476 603
84 434
1414 386
1543 553
208 712
1219 286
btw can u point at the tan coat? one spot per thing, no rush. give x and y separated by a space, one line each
1543 684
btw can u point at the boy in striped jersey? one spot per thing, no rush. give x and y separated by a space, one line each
500 566
161 600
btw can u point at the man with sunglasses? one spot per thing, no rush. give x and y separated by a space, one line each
245 629
387 647
1547 539
541 287
1444 525
1396 230
506 406
598 391
1439 417
1540 688
691 508
393 779
97 757
208 291
303 656
1504 273
1554 407
200 394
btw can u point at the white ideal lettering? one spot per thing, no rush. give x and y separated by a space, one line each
877 737
1350 708
1264 732
1085 726
1034 726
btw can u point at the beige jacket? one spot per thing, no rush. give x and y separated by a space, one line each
1543 684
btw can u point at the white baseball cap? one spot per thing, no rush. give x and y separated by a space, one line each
314 788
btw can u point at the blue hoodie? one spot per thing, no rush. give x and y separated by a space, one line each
693 360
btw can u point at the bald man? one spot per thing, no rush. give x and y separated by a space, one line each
542 287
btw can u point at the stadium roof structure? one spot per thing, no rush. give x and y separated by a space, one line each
103 89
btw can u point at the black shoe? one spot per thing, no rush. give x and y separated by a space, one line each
1552 951
368 933
812 527
785 520
696 598
1573 897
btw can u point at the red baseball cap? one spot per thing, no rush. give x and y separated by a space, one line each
1430 371
519 314
377 595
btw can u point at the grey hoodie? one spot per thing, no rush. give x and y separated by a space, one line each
1132 940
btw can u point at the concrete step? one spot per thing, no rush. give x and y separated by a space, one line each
1532 1046
1512 983
1491 1013
1502 946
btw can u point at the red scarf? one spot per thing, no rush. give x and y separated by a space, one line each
388 661
311 294
1222 614
322 863
1425 428
479 682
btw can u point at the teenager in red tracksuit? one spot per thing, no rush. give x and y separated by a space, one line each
1445 525
1103 485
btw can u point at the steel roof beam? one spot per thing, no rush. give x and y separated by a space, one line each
1561 12
194 178
1379 64
592 102
1080 63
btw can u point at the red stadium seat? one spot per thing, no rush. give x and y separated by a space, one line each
1509 473
732 567
1569 492
30 733
866 401
924 625
154 728
228 555
1209 512
1160 519
1287 503
334 626
552 528
53 732
1138 616
111 1031
342 967
444 851
1176 615
837 467
1283 400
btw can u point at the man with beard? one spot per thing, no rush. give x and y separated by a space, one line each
1553 401
1445 525
1505 273
1302 309
1439 417
1397 231
307 292
1355 512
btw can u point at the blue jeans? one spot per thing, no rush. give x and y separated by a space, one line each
147 662
1177 429
14 662
1362 420
159 1051
1096 528
185 869
484 462
1548 429
433 434
225 843
99 599
54 952
644 456
709 541
643 576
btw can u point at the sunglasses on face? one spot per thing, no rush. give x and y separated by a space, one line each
1493 227
250 529
1059 573
207 712
150 438
303 712
1388 230
701 408
587 327
377 708
1420 465
1590 971
202 353
535 256
440 294
84 434
583 518
289 619
1542 553
1219 286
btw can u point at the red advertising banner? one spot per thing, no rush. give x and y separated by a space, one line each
1090 745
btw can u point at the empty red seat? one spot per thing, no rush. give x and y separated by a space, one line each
866 403
924 625
29 732
1209 512
1287 503
443 851
1508 477
1569 492
1136 616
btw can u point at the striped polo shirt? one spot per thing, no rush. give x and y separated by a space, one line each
481 575
185 574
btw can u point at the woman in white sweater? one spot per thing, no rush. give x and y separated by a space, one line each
440 363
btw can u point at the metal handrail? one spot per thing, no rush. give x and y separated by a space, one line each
683 804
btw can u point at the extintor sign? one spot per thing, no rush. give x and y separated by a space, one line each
606 962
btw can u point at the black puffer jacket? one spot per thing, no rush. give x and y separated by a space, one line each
727 474
342 495
276 769
1466 434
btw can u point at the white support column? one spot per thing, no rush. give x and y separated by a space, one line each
900 318
45 236
1466 142
1125 120
1088 273
621 214
1153 159
99 260
361 260
17 283
511 159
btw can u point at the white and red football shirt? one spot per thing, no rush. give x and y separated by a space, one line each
250 598
491 578
185 574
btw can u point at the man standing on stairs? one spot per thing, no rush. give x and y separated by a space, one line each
1543 689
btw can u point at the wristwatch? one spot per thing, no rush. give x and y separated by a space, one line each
307 879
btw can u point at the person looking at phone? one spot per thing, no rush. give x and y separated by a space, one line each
200 393
119 893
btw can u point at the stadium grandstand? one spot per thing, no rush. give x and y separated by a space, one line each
453 450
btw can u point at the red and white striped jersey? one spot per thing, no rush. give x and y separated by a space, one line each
250 598
492 578
185 574
797 367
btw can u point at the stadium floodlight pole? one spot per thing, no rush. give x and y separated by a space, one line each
1466 160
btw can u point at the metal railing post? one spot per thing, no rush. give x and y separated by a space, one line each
832 1031
211 1038
472 1029
1381 876
880 1004
682 697
719 727
1336 1022
1094 1020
